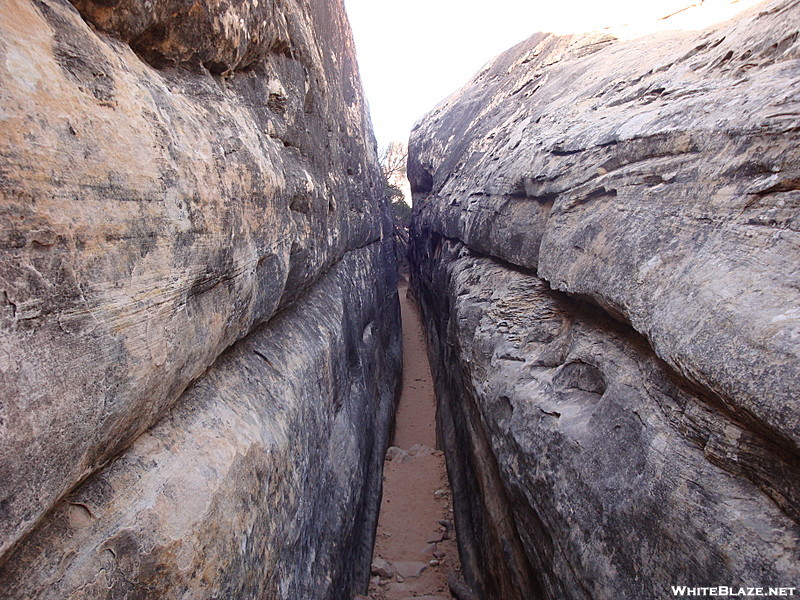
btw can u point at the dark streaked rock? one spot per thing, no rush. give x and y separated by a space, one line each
261 482
151 217
656 178
582 465
603 243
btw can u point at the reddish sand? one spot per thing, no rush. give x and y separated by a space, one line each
416 411
416 495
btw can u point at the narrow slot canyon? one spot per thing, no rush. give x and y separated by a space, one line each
415 548
549 349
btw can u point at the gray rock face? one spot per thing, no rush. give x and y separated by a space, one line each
657 177
638 425
261 482
582 465
172 177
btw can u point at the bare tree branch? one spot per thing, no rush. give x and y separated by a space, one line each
392 159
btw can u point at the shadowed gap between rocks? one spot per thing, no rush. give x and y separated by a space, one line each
415 551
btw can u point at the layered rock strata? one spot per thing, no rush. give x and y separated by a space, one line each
261 481
175 180
605 244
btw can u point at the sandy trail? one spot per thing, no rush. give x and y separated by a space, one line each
415 546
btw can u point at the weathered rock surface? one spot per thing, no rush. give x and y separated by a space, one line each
260 483
172 177
605 243
582 465
658 177
151 217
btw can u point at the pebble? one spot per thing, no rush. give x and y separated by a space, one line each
410 568
420 450
433 563
382 568
397 454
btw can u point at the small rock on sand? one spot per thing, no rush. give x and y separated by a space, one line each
397 454
408 569
420 450
382 568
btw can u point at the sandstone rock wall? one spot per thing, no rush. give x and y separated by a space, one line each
260 483
605 243
172 177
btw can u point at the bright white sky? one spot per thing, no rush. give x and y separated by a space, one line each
414 53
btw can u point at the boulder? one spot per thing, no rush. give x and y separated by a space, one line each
382 568
410 568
